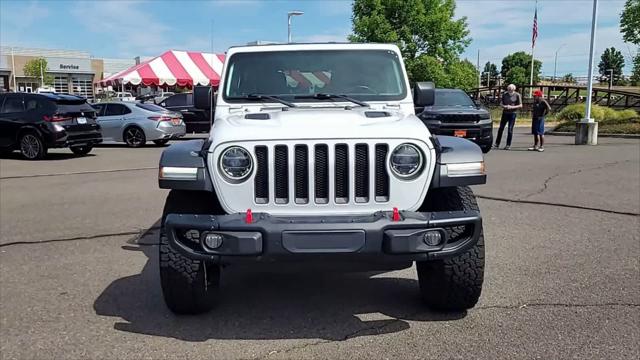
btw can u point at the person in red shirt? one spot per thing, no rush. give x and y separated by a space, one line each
539 110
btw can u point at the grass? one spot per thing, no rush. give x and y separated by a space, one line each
609 121
523 117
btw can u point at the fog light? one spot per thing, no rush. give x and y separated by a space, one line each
212 240
192 235
432 238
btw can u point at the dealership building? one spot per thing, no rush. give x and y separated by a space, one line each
73 72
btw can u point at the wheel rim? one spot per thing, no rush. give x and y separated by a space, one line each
134 136
30 146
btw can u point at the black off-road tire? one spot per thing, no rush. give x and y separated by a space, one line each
452 284
188 286
161 142
81 150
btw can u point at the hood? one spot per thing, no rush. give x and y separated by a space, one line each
454 110
314 123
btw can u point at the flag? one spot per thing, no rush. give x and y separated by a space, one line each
534 36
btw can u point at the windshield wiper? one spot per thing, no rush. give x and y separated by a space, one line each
260 97
322 96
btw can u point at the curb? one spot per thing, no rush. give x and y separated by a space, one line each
566 133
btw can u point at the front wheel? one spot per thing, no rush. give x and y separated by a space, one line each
81 150
455 283
188 286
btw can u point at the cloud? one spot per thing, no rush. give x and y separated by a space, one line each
573 55
488 19
499 28
13 28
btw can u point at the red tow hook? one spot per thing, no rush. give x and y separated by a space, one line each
396 214
249 218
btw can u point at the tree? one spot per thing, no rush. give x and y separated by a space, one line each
630 22
461 74
516 68
611 59
491 69
568 78
635 72
424 30
36 68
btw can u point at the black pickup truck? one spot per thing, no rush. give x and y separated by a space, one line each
196 119
454 113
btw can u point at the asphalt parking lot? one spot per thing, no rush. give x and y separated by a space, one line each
78 270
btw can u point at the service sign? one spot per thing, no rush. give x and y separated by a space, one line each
68 65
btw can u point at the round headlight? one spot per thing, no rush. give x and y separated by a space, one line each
236 163
406 160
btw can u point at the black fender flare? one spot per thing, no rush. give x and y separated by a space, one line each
455 150
192 154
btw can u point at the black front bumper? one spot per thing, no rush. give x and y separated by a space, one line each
481 134
370 238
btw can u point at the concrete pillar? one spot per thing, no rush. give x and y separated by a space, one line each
586 133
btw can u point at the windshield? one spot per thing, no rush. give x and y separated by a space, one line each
452 98
368 75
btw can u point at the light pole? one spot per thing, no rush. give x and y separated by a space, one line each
587 128
610 78
289 15
555 63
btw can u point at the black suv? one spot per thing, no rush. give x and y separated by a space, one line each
455 114
33 123
196 120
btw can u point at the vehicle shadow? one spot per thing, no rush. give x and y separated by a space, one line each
16 155
263 306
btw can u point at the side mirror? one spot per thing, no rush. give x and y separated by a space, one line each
424 94
202 97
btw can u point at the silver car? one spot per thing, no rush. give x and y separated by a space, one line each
136 123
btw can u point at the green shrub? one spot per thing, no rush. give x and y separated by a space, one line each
575 112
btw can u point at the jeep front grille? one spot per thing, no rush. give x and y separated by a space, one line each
321 173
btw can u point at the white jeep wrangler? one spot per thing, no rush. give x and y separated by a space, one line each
316 157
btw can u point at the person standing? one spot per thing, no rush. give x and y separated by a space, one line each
510 103
540 109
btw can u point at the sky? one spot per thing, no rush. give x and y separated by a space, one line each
125 29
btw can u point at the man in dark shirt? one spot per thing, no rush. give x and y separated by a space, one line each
539 110
510 103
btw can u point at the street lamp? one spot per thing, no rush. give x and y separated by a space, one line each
289 15
610 78
587 128
555 63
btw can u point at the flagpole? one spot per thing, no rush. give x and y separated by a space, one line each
531 79
533 45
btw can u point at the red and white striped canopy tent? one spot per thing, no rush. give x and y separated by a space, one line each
182 68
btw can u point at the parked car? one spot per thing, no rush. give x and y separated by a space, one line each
454 113
159 97
124 96
136 123
197 120
34 123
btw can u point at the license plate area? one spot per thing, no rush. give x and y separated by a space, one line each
81 120
319 242
175 121
460 133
